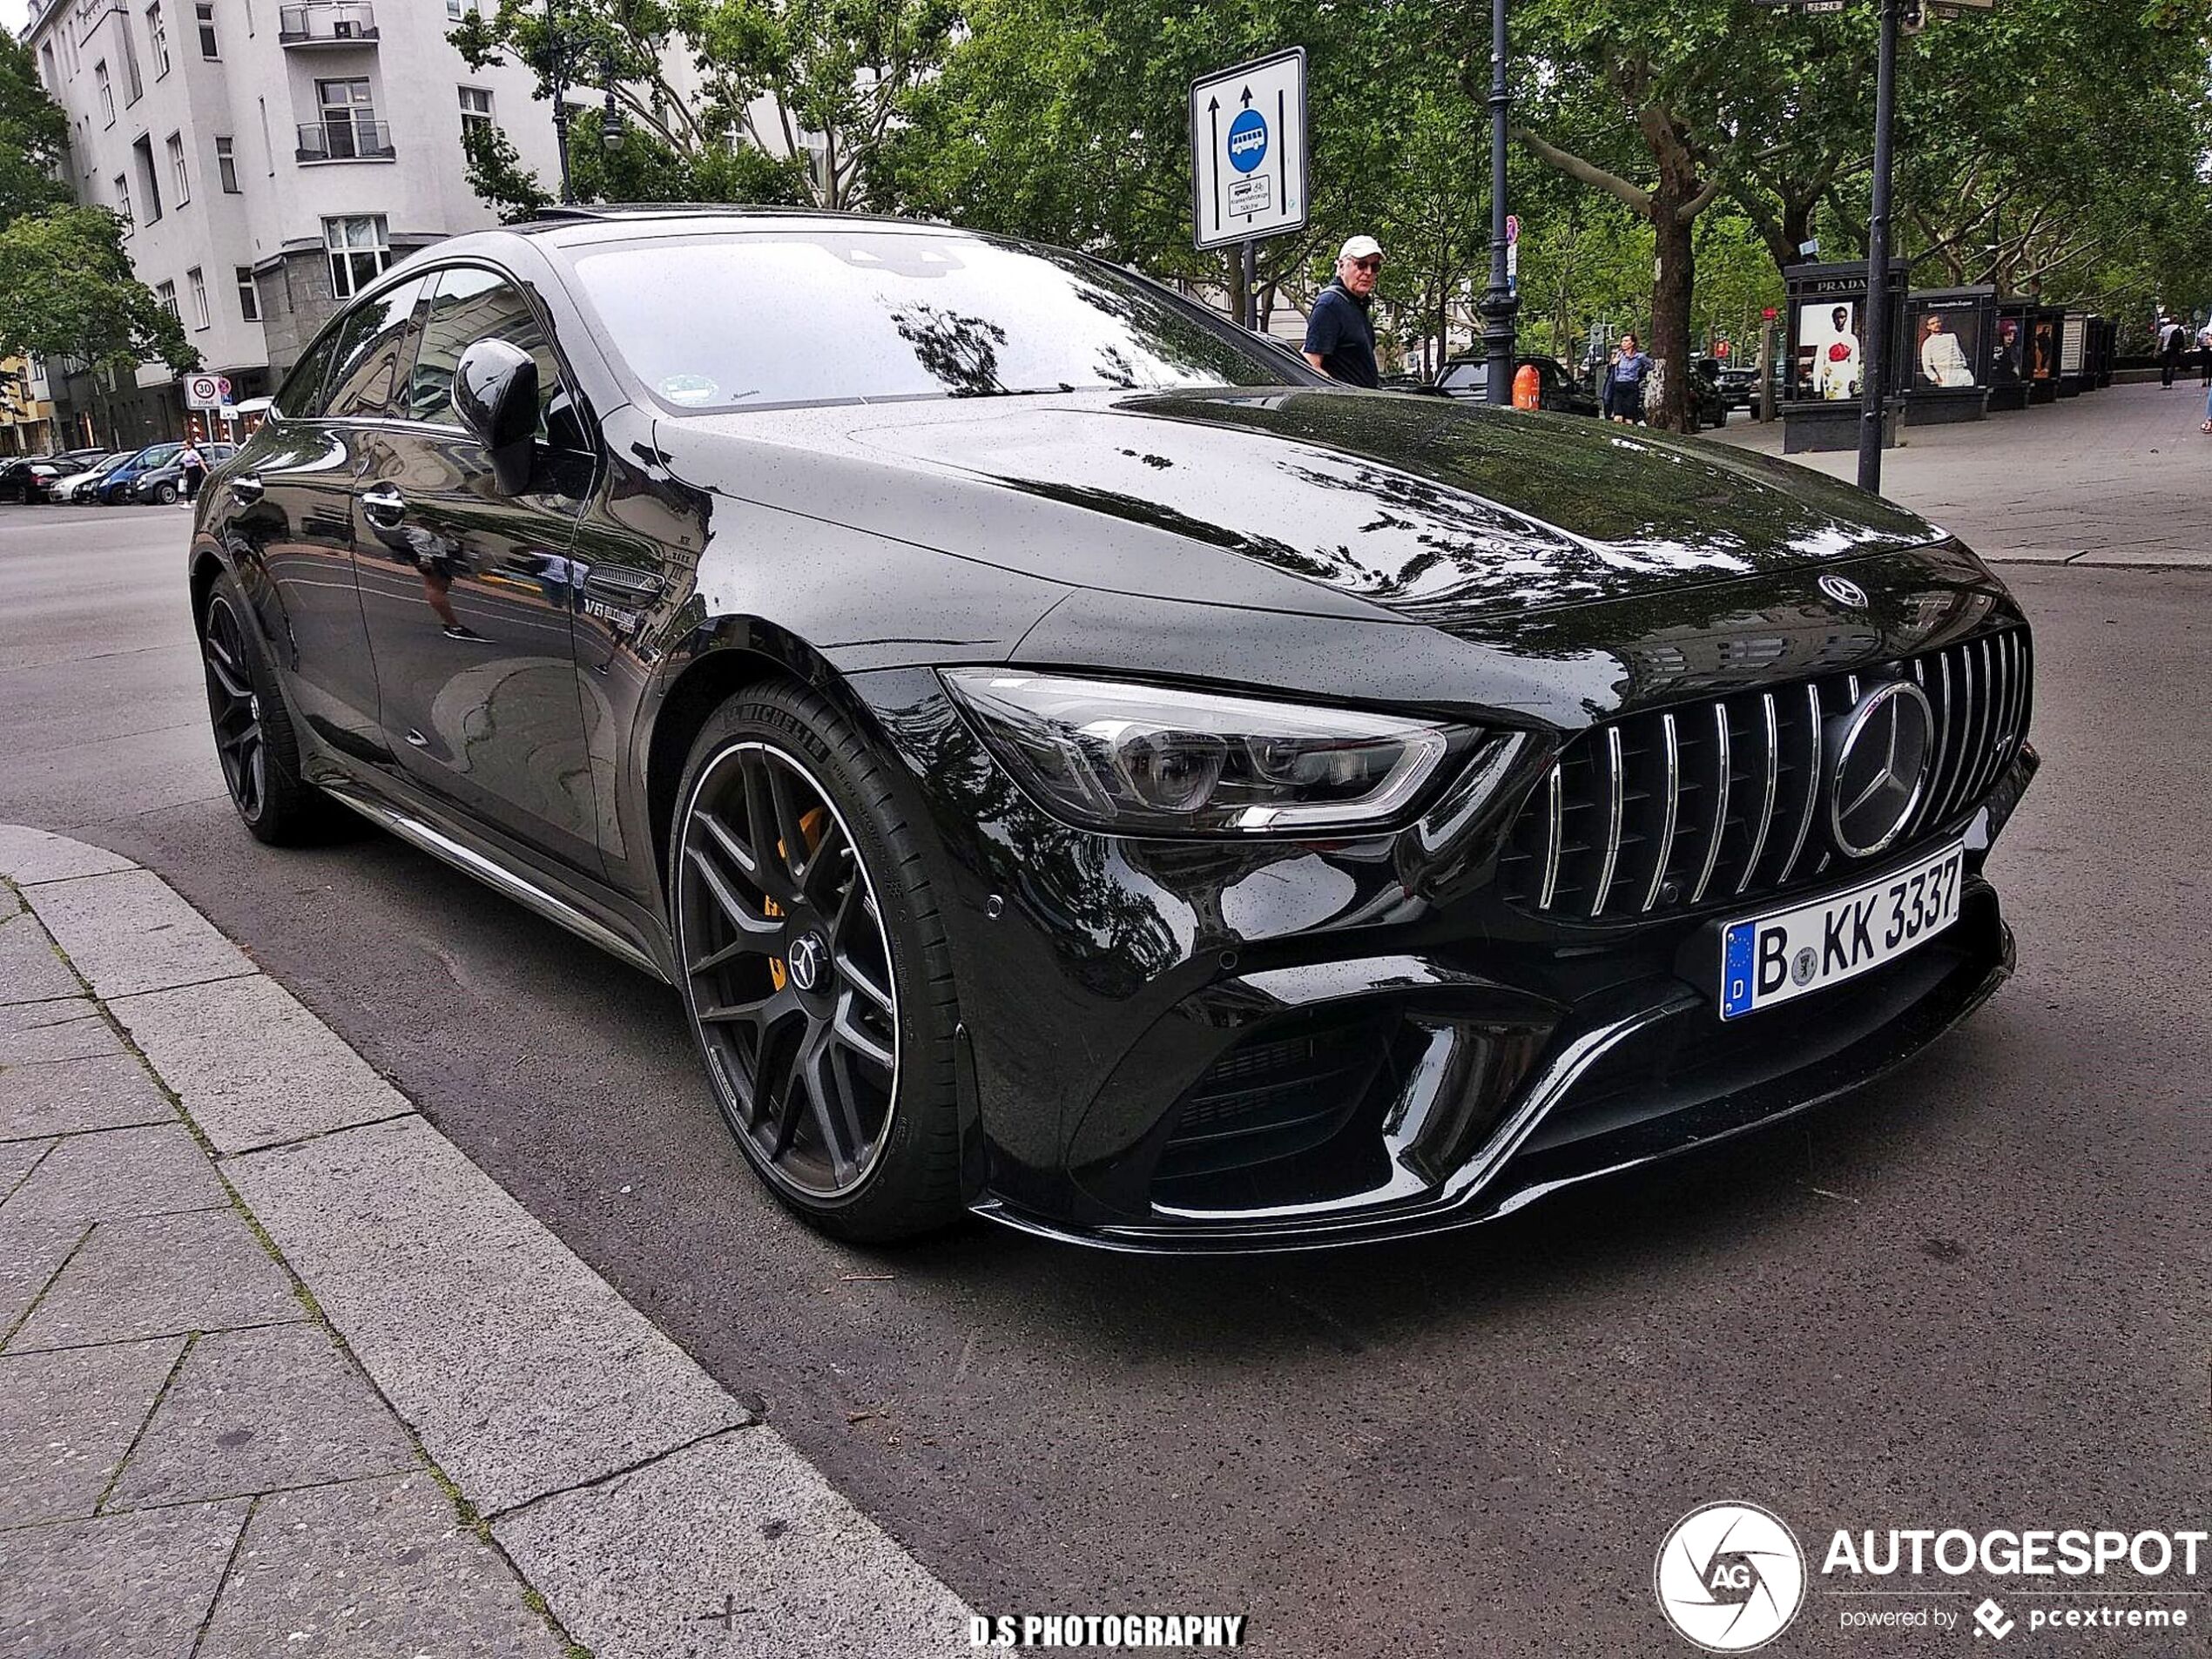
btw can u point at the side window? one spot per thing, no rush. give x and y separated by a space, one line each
473 303
301 398
368 354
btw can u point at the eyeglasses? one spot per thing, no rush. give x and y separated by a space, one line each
1372 264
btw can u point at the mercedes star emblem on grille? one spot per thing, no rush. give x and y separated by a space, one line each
1843 591
1881 768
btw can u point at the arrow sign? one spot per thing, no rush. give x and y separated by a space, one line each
1248 175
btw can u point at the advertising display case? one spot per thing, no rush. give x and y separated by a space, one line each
1949 334
1828 358
2044 324
2007 361
2074 354
2105 344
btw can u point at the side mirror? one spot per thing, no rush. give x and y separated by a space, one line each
494 393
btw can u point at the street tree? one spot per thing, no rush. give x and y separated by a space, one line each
66 287
770 82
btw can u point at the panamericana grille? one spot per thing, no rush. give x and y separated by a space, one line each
1718 801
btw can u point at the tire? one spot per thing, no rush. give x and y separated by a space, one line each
831 1062
254 739
165 495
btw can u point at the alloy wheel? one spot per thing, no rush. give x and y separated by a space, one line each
786 970
235 707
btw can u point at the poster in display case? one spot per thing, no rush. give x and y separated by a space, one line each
1829 357
2043 354
1950 330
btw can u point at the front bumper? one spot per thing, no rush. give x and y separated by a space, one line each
1419 1056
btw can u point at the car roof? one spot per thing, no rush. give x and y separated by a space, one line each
615 221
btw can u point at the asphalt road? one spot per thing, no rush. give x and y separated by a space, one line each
1978 1295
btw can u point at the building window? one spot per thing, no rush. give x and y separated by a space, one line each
149 180
359 248
46 70
475 112
177 173
123 200
227 166
166 293
349 127
197 281
205 12
453 10
107 92
249 296
157 36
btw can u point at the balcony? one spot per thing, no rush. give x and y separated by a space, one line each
327 23
337 138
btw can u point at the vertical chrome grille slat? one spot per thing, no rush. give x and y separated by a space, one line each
1984 725
1612 820
1555 836
1939 779
1956 786
1766 805
1671 748
1719 807
1812 783
2000 688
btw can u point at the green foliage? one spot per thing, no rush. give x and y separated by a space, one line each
33 135
770 72
66 287
66 290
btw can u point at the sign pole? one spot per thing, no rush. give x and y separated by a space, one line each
1873 394
1252 283
1498 302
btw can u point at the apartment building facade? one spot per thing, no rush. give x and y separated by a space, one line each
269 157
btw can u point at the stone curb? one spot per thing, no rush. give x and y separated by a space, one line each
626 1485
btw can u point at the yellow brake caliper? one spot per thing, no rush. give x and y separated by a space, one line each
810 824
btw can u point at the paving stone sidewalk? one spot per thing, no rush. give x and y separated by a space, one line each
2120 476
282 1372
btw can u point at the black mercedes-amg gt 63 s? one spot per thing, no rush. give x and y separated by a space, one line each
1077 766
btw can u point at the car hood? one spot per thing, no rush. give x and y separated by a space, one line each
1435 511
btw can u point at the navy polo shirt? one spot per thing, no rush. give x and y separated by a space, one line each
1341 335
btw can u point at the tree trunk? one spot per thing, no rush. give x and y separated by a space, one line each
1670 292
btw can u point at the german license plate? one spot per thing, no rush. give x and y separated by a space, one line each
1789 953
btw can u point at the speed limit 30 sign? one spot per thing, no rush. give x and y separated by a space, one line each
207 391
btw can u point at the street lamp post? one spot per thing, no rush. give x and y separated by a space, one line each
560 97
1872 393
1498 302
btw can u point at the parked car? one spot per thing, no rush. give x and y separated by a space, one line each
1468 379
1077 766
1708 400
26 478
74 488
161 485
117 486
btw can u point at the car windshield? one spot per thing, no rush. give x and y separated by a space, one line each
855 316
1476 374
109 463
158 453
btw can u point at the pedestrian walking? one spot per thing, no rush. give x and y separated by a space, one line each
2170 336
1621 396
1340 332
194 466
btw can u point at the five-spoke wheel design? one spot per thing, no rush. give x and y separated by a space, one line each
787 970
235 708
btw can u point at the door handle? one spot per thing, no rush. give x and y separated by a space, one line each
616 586
246 489
384 506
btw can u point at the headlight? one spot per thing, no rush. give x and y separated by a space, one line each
1151 759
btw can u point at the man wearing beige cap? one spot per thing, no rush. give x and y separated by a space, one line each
1339 334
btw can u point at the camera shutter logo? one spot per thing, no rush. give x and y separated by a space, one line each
1729 1577
1843 591
1881 768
